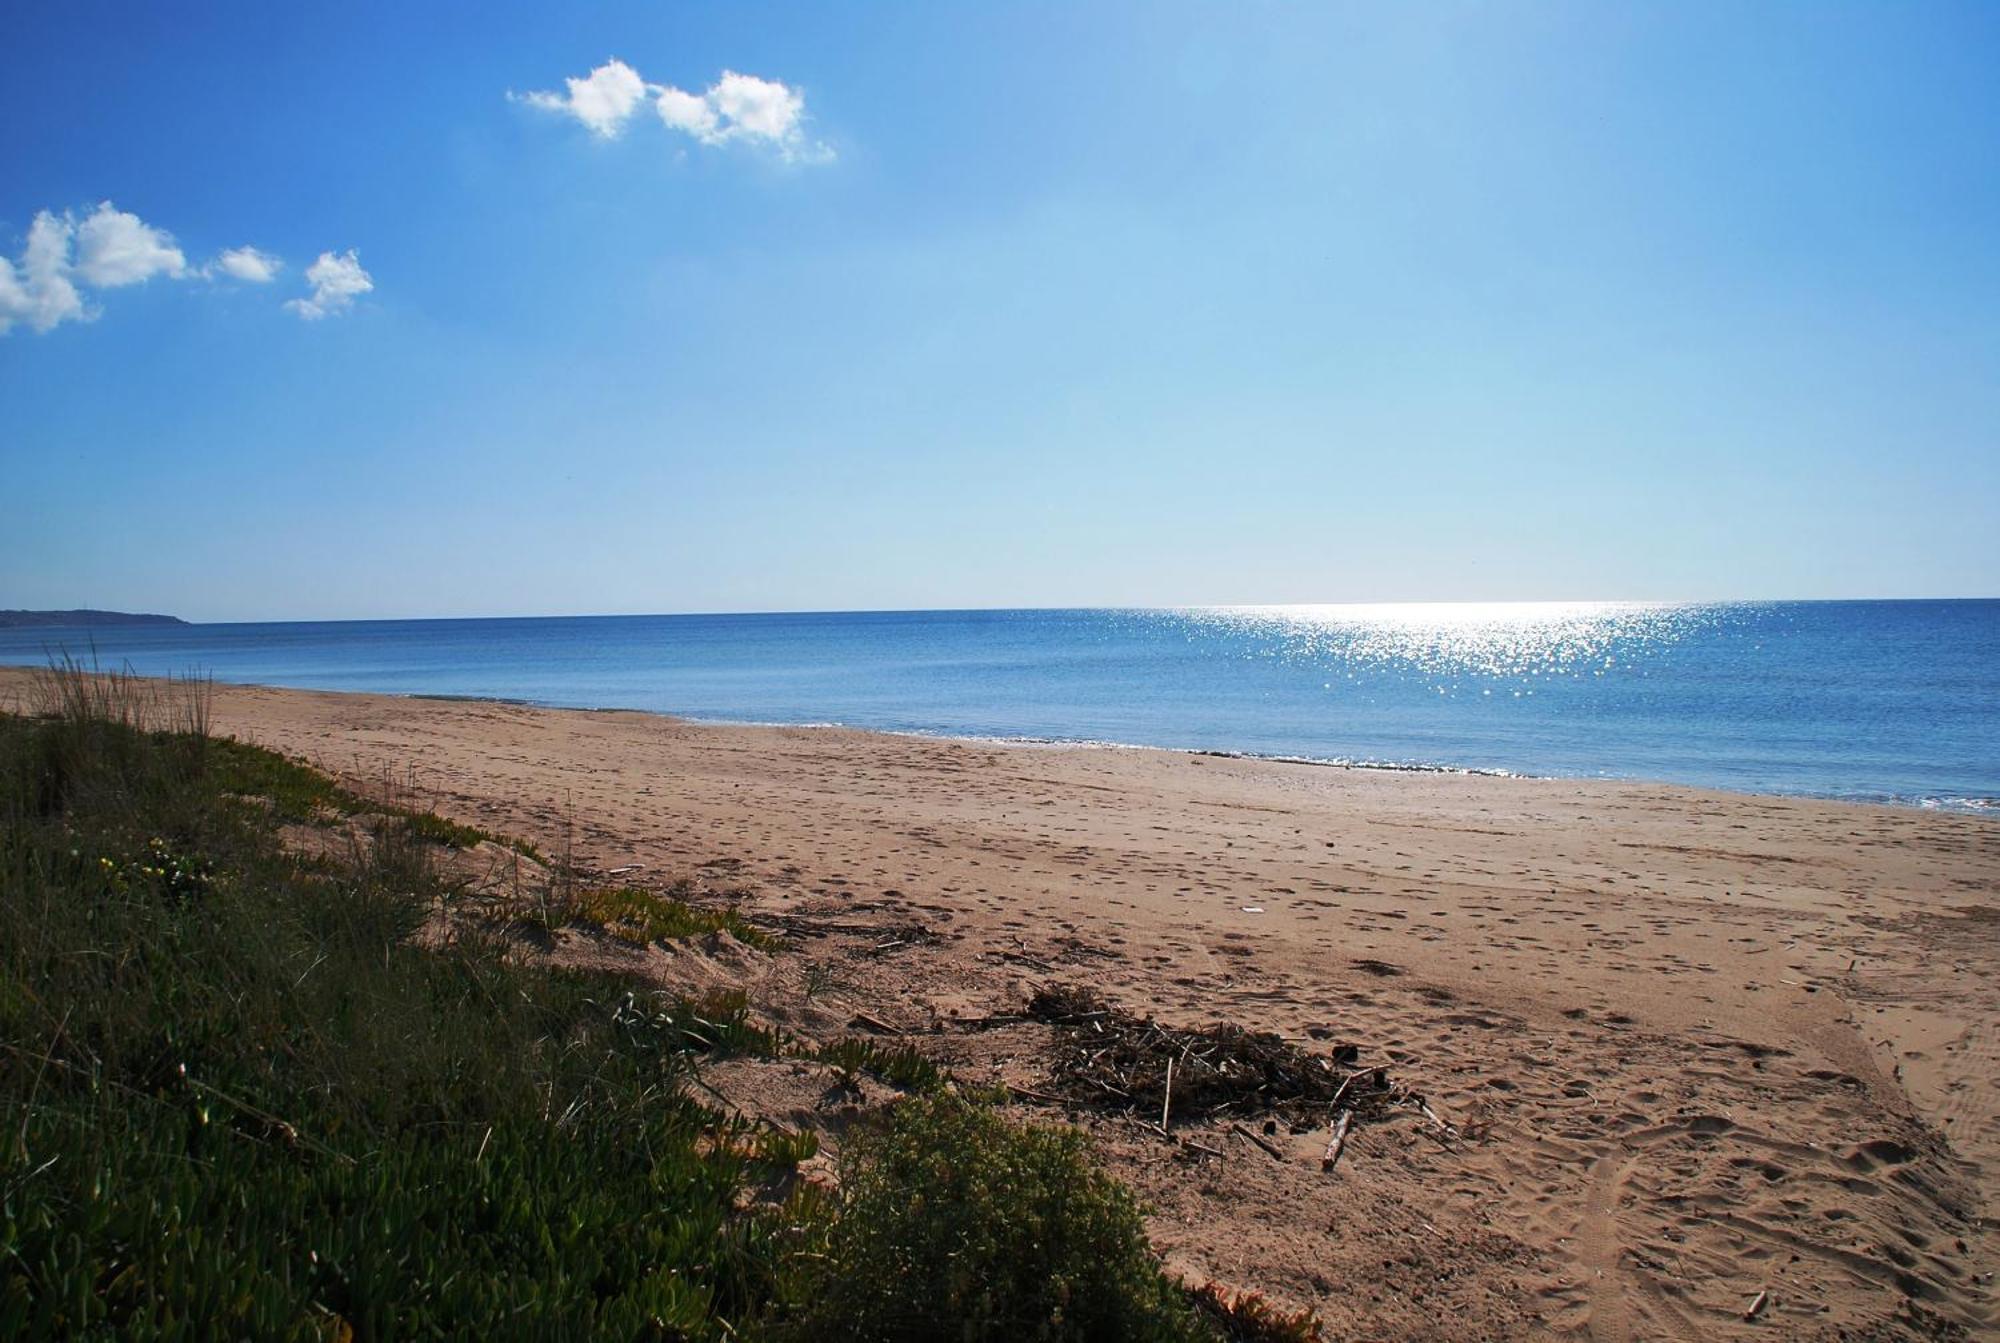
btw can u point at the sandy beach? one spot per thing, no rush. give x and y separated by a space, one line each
1713 1065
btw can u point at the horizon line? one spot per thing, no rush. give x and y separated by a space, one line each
1000 609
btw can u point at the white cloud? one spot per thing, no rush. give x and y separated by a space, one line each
684 111
735 107
761 109
111 248
37 290
114 248
247 263
336 282
603 100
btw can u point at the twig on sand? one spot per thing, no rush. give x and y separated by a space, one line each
1167 1101
1345 1083
1338 1140
1242 1132
982 1023
1757 1304
1032 1094
1022 955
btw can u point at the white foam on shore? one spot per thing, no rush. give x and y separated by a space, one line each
1976 806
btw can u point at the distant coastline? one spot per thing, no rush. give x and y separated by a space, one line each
84 618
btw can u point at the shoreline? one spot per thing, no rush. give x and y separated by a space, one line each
1748 697
1978 807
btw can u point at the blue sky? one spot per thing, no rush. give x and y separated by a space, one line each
956 305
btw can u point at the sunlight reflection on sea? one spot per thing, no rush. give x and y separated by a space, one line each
1453 646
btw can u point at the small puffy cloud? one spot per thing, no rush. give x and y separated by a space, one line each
336 282
115 248
761 109
249 264
684 111
109 248
735 107
603 100
37 291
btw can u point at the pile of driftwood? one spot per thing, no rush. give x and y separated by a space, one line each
1112 1060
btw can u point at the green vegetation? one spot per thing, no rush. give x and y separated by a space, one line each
79 696
239 1098
1015 1235
633 915
302 795
899 1065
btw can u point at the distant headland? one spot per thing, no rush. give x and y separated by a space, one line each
20 619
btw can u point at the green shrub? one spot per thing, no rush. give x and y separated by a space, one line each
955 1224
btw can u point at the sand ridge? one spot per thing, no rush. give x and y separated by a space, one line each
1696 1046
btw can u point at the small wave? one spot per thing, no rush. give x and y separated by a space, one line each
1977 806
1346 762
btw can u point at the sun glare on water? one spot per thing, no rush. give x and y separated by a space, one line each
1450 642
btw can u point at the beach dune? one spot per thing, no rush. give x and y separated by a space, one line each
1712 1065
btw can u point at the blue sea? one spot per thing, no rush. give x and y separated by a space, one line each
1892 701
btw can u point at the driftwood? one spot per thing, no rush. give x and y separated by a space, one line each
1108 1058
1240 1131
1351 1079
1034 1095
1757 1305
939 1025
986 1022
1338 1141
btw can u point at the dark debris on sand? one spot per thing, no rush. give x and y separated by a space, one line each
1109 1059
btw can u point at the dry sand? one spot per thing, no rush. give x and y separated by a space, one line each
1697 1046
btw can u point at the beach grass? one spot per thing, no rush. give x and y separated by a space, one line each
298 793
240 1096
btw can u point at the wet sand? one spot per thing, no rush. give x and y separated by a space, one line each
1696 1046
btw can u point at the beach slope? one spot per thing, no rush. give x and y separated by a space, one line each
1710 1065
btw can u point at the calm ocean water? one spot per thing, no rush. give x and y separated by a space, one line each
1886 701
